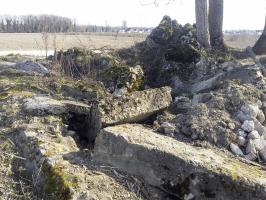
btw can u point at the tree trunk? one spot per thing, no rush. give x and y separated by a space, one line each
216 24
202 25
260 46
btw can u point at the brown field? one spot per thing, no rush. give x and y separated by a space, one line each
241 41
34 41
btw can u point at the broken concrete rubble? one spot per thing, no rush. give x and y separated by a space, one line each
88 119
221 104
134 107
178 167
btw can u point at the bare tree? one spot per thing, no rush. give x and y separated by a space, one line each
202 24
216 24
260 46
45 38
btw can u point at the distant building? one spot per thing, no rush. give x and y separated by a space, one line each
243 32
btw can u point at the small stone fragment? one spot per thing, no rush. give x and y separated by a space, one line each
194 136
250 110
120 92
254 135
262 154
248 126
168 128
241 141
251 147
231 126
242 133
259 144
242 116
235 149
189 196
261 116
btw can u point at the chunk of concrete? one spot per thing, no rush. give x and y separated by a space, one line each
179 167
82 118
134 107
43 105
208 84
32 67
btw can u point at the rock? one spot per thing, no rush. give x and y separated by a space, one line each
241 141
190 196
180 105
168 128
262 154
260 128
248 126
134 107
166 163
32 67
254 135
242 133
231 126
250 148
242 116
42 104
207 85
208 124
194 136
120 92
236 150
261 116
259 144
250 110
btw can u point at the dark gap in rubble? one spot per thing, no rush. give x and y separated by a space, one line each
150 120
85 128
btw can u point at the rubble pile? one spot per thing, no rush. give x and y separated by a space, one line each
102 65
163 119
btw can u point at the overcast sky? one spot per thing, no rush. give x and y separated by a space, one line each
238 14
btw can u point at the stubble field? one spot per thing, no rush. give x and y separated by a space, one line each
16 42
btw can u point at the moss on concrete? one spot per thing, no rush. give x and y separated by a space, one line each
59 185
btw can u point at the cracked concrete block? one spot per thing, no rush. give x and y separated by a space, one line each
135 107
178 167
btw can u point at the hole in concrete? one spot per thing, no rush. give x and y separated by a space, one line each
85 127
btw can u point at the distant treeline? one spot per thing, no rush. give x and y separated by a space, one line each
47 23
35 24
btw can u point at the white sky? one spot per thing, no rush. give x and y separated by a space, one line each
238 14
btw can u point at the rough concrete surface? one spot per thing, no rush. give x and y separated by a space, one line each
179 167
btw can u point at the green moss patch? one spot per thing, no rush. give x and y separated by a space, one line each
59 185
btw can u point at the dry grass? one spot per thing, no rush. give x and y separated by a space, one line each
34 41
240 41
14 181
